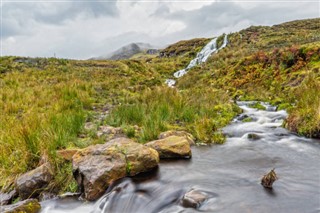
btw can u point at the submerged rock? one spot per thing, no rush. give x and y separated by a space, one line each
32 183
194 199
7 198
26 206
268 179
172 147
97 166
253 136
169 133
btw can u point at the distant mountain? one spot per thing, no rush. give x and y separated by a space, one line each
128 51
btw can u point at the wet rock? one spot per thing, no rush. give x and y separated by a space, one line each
97 166
110 132
268 179
26 206
32 183
242 117
68 195
169 133
67 154
194 199
172 147
7 198
47 196
253 136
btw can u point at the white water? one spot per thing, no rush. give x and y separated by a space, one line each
202 57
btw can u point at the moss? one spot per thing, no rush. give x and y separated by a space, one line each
257 105
248 119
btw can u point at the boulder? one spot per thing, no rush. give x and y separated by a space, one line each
67 154
97 166
193 199
32 183
169 133
7 198
26 206
171 147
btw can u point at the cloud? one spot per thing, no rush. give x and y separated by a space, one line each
22 17
83 29
220 17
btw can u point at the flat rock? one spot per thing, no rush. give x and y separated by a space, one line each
26 206
171 147
97 166
169 133
32 183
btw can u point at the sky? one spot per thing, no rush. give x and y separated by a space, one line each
85 28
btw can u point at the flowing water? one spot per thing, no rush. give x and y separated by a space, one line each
202 57
229 174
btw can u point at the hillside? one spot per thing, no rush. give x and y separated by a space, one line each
46 103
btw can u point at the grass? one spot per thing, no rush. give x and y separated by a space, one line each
164 108
305 117
44 103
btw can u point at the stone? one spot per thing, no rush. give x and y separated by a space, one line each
268 179
171 147
89 126
67 154
169 133
7 198
194 199
32 183
253 136
110 132
26 206
97 166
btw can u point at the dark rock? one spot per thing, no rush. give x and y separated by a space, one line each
253 136
172 147
26 206
268 179
194 199
97 166
7 198
32 183
47 196
242 116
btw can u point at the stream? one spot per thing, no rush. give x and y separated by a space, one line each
201 57
228 174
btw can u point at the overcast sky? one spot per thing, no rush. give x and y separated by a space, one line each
83 29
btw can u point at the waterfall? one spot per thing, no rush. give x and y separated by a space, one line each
201 57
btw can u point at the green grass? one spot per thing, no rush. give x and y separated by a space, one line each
45 102
164 108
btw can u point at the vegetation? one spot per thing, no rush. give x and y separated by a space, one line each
45 103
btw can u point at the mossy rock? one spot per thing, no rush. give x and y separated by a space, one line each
26 206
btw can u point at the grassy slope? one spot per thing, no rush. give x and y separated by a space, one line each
45 102
279 64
